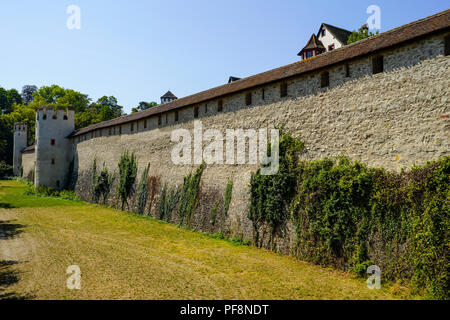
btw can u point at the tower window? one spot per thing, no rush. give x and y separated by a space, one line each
447 45
159 120
220 106
195 112
145 124
176 116
248 99
120 129
377 65
347 70
325 80
53 160
52 142
132 127
283 90
65 117
54 116
324 32
206 108
44 117
263 94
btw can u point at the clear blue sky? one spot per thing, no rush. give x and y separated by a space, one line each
136 50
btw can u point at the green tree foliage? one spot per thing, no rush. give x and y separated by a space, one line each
359 35
8 98
5 170
127 177
22 108
168 202
27 93
144 106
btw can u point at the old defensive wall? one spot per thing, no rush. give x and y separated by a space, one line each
383 101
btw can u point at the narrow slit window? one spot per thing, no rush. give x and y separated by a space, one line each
159 120
248 99
176 116
196 112
347 70
132 127
377 65
206 108
220 106
120 129
52 142
264 94
145 124
283 90
109 131
325 80
53 161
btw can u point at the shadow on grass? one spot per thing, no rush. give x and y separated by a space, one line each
10 230
9 277
6 206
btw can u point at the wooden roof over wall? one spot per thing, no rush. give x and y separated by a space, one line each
437 23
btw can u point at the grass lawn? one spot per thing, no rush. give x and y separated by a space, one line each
125 256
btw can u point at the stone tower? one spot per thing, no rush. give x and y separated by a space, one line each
20 143
54 151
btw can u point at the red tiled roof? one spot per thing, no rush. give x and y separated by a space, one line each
436 23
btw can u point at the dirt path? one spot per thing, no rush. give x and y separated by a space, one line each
15 250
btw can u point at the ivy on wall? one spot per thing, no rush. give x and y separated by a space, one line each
350 216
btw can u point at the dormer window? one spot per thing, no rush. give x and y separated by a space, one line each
331 47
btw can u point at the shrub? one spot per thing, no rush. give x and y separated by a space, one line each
189 194
227 196
270 195
5 170
127 177
142 193
101 184
347 213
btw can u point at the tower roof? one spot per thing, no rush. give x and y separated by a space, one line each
313 43
169 95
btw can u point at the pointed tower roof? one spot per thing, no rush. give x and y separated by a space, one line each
313 43
169 95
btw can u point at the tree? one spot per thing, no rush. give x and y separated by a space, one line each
27 93
8 98
361 34
144 106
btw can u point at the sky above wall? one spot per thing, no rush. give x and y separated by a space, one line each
136 50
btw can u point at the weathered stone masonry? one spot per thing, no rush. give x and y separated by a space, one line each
392 119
